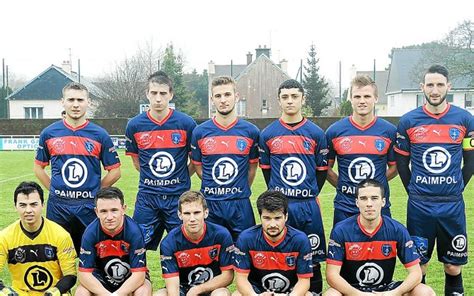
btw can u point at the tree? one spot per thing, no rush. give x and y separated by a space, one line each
183 98
198 84
315 86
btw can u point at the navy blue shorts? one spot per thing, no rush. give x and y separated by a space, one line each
443 222
305 215
340 215
236 215
155 214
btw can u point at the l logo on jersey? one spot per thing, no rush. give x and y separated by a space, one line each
293 171
224 171
369 274
275 282
117 270
74 172
360 169
436 159
162 164
199 276
38 278
459 243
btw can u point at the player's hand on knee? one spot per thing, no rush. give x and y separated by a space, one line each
8 291
52 292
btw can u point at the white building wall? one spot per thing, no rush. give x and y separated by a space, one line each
51 108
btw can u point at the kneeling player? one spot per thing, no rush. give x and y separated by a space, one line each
273 258
39 252
196 258
112 258
363 250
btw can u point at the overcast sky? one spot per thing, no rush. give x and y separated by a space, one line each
36 34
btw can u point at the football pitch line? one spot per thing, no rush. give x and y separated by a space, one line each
15 178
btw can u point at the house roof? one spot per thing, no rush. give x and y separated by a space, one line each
262 58
403 74
221 70
48 85
381 78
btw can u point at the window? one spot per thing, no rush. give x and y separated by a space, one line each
420 100
468 98
241 107
264 104
33 112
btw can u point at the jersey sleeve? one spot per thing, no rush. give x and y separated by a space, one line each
87 253
108 155
321 152
137 251
241 256
336 250
196 155
131 147
3 250
253 156
226 253
264 151
403 141
169 265
406 249
66 254
304 261
393 140
189 133
42 153
468 141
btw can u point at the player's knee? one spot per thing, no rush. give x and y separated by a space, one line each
422 290
332 292
144 290
221 292
81 291
161 292
452 269
236 293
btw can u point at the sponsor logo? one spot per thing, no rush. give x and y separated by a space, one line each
259 259
369 274
162 164
38 278
74 172
314 240
346 144
360 169
199 276
420 133
277 144
276 282
224 171
459 243
355 250
117 270
436 160
20 255
293 171
209 144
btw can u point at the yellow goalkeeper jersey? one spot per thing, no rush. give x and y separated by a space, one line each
36 261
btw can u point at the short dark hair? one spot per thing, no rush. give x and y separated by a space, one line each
437 69
191 196
370 183
290 83
160 77
272 201
27 188
109 193
75 86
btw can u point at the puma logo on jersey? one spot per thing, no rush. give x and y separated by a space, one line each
198 255
362 143
437 132
141 261
34 252
160 137
73 143
292 143
225 144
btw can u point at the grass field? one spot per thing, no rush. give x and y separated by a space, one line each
17 166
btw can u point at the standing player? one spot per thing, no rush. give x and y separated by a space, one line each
435 139
363 145
272 258
363 251
225 155
75 147
39 252
196 258
112 259
159 143
293 160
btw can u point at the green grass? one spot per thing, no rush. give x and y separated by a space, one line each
17 167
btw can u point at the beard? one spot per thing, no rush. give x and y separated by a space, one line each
269 234
225 113
443 98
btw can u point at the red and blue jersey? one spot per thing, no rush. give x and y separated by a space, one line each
368 260
114 257
434 143
75 154
362 153
196 261
162 148
225 154
273 266
293 154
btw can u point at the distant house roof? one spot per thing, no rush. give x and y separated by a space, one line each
229 70
381 78
49 84
403 74
262 58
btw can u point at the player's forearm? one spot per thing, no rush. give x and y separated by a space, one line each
244 286
332 177
136 163
403 167
220 281
301 287
111 177
172 286
132 283
88 281
66 283
321 178
40 173
252 173
337 282
413 278
266 175
468 167
198 169
391 172
191 168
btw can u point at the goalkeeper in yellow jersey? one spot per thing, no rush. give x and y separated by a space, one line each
39 253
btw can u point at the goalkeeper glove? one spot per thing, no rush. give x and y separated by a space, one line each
52 292
7 291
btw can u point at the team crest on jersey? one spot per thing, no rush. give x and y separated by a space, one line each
124 247
176 138
259 259
386 249
290 260
420 133
184 258
144 140
59 145
276 145
213 253
454 133
346 144
241 144
20 255
307 145
355 251
89 146
49 252
209 144
379 145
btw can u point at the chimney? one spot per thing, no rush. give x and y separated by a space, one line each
211 68
66 66
284 66
259 51
249 58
